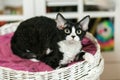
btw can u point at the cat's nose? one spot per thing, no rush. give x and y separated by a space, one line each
73 36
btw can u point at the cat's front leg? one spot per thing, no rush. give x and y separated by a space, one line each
66 60
63 62
79 56
89 57
85 56
61 66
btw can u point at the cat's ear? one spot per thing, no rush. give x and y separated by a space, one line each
84 23
60 20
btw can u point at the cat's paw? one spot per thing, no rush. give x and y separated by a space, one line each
62 66
89 58
63 62
66 61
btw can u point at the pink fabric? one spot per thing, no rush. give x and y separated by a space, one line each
88 46
8 59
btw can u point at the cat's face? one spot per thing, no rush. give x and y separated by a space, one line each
72 31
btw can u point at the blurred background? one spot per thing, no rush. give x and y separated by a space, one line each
104 23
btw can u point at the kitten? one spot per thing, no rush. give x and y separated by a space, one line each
55 42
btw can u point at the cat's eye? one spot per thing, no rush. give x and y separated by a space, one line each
78 32
67 31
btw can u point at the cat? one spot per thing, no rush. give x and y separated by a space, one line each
55 42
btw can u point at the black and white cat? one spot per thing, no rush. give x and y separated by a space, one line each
55 42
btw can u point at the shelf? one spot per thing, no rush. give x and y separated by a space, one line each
71 15
100 14
10 17
61 3
76 14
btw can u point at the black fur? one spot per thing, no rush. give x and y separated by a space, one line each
37 34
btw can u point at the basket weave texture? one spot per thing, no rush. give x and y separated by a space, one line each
78 71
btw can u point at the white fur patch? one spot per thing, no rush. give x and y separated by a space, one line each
69 49
48 51
27 50
34 60
89 57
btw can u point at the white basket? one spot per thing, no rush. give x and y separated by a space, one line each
78 71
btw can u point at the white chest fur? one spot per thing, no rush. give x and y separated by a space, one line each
69 50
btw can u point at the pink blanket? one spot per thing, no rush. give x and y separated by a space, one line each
8 59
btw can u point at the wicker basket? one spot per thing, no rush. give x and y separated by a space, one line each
78 71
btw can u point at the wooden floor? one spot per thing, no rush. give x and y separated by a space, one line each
111 69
